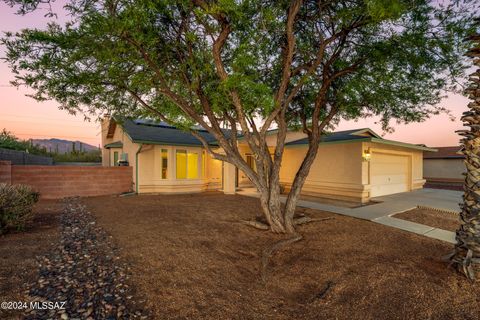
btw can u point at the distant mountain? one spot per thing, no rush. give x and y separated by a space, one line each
63 146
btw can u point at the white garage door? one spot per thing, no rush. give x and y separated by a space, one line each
388 174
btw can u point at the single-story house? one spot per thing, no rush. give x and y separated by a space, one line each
445 166
352 165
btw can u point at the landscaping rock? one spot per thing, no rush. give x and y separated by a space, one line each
85 272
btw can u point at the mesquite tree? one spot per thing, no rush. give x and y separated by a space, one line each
249 65
467 250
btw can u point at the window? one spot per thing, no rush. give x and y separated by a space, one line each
181 164
164 163
187 164
192 165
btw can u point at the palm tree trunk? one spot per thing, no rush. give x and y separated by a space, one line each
466 256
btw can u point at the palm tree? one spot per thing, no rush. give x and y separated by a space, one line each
466 256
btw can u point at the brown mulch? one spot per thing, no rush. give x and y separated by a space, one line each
437 219
192 260
19 251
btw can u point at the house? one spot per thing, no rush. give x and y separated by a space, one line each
352 165
445 166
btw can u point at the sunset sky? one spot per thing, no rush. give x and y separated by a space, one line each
27 118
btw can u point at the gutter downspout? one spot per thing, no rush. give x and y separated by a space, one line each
136 167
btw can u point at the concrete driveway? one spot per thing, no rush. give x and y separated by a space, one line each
381 212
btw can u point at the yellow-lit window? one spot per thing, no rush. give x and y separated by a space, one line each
187 165
192 165
164 163
181 164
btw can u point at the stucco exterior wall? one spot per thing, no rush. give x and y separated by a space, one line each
213 173
447 170
335 173
291 136
339 171
150 171
150 165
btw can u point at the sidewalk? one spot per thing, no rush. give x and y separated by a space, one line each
389 205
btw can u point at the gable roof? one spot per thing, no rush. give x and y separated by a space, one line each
445 153
147 131
358 135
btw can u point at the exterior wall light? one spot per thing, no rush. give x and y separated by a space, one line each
366 155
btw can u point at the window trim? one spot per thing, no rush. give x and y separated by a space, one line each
162 151
186 164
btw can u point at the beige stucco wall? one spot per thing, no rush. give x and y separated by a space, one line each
149 168
338 171
129 148
291 136
443 169
335 173
150 171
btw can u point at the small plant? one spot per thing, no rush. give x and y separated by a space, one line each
16 206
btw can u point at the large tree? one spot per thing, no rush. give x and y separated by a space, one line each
249 65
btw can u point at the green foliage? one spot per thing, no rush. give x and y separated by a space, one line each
16 206
9 141
90 156
120 56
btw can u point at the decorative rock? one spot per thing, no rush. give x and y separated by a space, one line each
83 273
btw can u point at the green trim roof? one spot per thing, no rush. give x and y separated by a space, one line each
150 132
116 144
358 136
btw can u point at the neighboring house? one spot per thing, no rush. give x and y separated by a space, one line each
445 166
351 165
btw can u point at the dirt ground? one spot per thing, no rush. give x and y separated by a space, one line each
437 219
18 252
191 259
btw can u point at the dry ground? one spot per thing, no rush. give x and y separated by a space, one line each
437 219
18 252
191 259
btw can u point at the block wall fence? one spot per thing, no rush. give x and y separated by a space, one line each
54 182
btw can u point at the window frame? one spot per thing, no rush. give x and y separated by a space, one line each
162 168
187 152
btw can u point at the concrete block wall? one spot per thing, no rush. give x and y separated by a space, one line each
5 172
54 182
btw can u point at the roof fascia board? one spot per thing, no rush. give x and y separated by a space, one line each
330 142
402 144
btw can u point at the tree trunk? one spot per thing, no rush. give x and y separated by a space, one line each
466 256
297 186
272 208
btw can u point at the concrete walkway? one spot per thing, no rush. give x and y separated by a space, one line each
382 212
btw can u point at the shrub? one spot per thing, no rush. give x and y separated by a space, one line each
16 206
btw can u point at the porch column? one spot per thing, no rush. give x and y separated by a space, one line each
228 178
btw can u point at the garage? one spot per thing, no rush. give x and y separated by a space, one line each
389 173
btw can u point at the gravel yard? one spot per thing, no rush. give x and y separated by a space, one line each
18 252
191 259
188 257
433 218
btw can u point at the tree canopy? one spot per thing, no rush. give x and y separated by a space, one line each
248 65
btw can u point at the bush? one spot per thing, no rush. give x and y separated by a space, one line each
16 206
